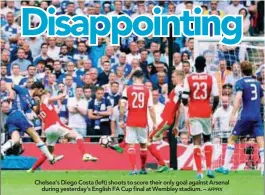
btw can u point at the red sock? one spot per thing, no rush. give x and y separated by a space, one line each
39 162
197 158
143 156
81 145
122 144
155 153
132 157
208 150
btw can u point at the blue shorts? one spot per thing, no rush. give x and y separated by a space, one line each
245 127
18 121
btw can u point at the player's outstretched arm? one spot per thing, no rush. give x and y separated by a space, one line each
153 116
55 98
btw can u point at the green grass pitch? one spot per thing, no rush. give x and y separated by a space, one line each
22 183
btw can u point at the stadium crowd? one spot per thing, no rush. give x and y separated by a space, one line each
94 76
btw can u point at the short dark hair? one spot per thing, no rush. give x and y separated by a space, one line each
138 74
200 63
99 89
31 65
227 85
37 85
44 44
186 62
115 82
156 51
42 62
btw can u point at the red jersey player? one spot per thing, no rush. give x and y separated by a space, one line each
170 112
139 99
54 129
169 115
198 88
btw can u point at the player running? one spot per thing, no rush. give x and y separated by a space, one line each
54 129
198 88
18 123
249 91
138 99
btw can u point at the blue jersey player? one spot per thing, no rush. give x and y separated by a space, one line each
18 123
249 122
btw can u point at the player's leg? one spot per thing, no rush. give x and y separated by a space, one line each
15 139
142 137
41 145
131 140
208 147
40 160
152 147
259 133
241 128
196 131
72 134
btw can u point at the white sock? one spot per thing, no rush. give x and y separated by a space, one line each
44 150
261 154
9 144
228 155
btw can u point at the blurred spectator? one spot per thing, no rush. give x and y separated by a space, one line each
21 62
31 74
214 10
122 63
227 90
16 74
184 138
57 69
43 55
143 62
64 56
133 53
77 111
186 67
222 74
53 50
35 46
235 76
99 111
113 94
177 61
159 75
233 8
246 21
117 8
103 77
4 76
81 53
11 30
5 61
221 118
157 63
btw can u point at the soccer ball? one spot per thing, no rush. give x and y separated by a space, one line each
105 141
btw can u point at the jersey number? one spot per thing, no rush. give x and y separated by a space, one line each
42 115
138 100
254 92
200 87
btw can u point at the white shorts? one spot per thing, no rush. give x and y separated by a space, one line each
136 135
54 132
200 126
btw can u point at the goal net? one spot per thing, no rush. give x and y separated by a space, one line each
252 49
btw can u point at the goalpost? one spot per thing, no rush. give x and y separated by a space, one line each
251 49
